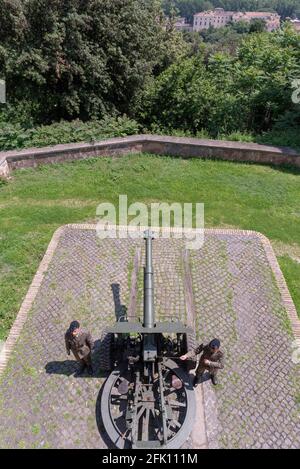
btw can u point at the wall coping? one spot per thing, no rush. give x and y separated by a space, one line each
190 147
141 138
62 147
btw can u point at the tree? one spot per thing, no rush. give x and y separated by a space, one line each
82 58
241 27
257 26
245 92
188 8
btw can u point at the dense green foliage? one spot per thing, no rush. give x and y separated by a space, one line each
101 59
36 202
67 59
246 92
14 137
225 39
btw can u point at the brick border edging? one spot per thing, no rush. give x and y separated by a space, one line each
27 303
39 276
283 288
184 147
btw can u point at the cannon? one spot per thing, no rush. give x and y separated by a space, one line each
148 400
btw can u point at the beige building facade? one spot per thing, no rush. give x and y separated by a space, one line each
219 17
182 25
216 18
295 24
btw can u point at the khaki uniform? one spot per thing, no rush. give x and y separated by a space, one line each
216 360
81 346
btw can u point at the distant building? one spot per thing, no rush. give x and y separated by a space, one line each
220 17
216 18
295 23
182 25
272 20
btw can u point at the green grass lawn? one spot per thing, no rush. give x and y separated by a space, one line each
35 202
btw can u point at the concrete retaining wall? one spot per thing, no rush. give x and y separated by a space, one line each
162 145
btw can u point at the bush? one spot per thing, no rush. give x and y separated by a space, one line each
81 59
14 136
227 94
237 137
283 138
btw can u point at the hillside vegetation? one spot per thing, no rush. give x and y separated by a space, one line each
93 62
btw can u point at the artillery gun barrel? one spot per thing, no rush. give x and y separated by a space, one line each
149 314
155 389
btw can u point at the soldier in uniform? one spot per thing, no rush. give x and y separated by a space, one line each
81 344
211 359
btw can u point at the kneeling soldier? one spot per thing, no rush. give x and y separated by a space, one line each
81 344
212 359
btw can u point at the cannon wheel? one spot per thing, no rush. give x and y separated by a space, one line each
106 351
117 407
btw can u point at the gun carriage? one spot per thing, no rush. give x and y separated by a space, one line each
148 400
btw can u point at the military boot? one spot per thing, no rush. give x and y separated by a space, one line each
90 370
80 370
214 380
197 380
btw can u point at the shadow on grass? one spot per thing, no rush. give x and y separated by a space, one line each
288 169
283 168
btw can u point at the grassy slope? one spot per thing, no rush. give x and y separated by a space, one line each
35 202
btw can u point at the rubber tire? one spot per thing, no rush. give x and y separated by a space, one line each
106 359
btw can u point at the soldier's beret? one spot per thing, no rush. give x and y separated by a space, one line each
215 343
74 325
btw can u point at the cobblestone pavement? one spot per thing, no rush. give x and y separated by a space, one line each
42 405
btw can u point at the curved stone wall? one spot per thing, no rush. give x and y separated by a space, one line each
156 144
